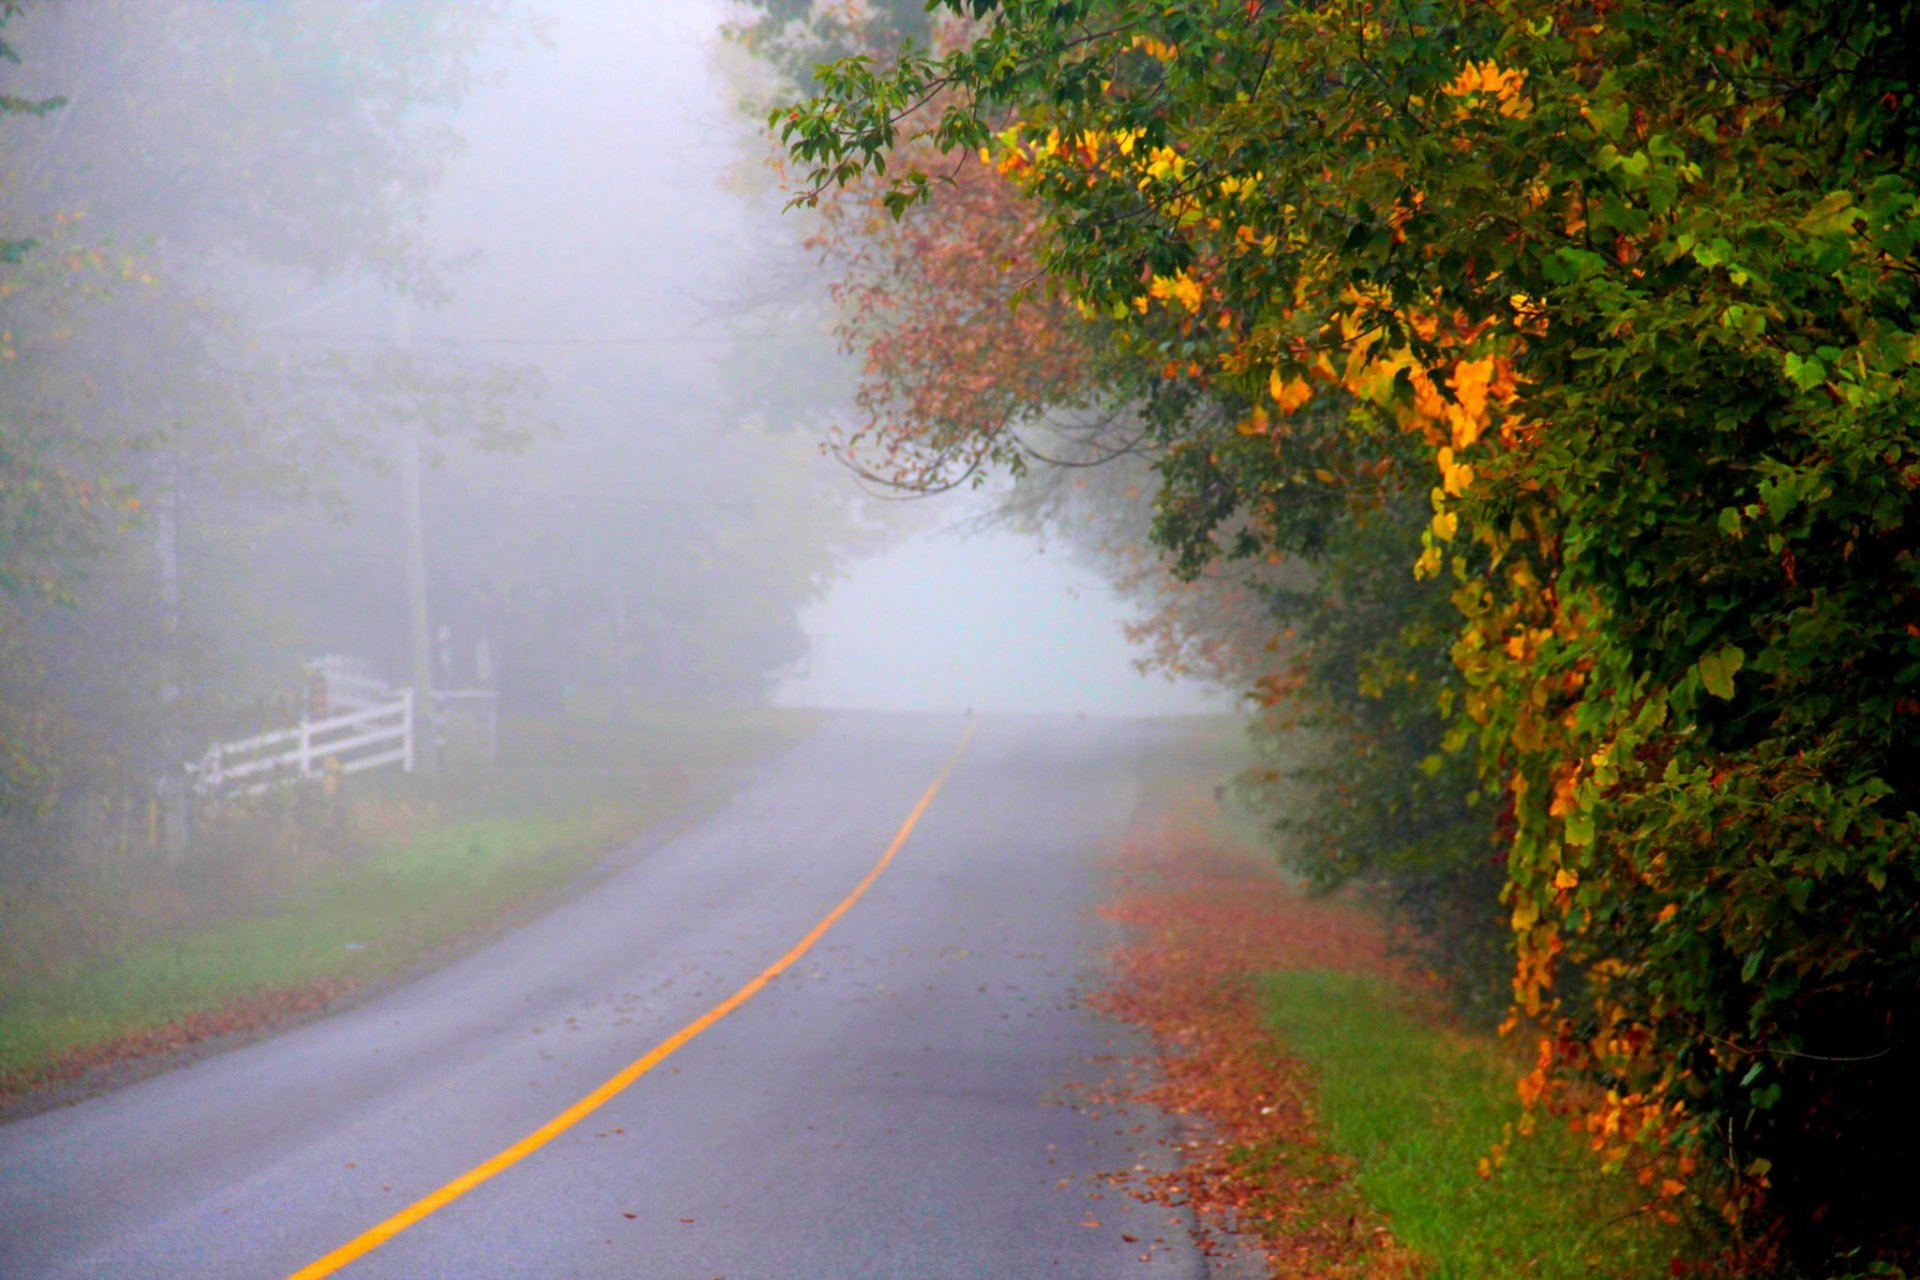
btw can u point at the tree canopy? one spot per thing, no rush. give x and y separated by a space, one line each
1611 309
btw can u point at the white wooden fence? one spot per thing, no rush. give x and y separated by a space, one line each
379 729
349 685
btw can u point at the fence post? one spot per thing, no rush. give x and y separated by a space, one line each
306 747
407 722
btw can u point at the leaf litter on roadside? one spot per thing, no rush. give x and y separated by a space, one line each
1200 922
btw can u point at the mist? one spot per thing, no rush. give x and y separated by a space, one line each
983 618
410 406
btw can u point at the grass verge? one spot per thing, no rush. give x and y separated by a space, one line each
1416 1106
295 904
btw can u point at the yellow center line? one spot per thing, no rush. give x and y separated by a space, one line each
374 1237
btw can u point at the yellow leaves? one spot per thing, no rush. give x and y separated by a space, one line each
1563 802
1248 238
1469 381
1455 476
1179 287
1667 913
1485 77
1478 80
1158 50
1371 377
1445 525
1534 949
1566 878
1525 913
1164 163
1289 394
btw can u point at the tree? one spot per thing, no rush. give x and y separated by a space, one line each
1630 293
151 208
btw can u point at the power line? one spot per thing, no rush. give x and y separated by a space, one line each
617 340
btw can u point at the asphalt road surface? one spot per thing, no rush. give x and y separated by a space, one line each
900 1102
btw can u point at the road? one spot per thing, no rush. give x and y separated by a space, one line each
899 1102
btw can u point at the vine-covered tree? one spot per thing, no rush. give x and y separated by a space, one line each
1626 295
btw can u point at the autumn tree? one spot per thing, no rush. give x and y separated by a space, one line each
1626 295
971 361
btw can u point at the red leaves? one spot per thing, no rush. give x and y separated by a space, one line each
248 1014
1200 923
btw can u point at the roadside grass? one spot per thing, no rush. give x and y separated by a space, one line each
300 896
1416 1105
1403 1102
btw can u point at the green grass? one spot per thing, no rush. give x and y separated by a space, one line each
378 915
1416 1106
421 864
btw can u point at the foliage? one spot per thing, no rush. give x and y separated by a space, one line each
1416 1107
148 210
1356 760
794 36
281 914
1630 292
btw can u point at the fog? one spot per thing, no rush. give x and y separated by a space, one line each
956 617
645 230
468 344
416 514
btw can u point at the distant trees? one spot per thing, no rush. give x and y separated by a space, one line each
191 169
197 483
1597 321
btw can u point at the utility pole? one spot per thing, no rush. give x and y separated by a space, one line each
171 785
622 690
419 642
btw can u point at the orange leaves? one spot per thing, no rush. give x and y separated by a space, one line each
1198 919
1290 393
1535 1084
1563 787
1455 476
1485 83
1180 287
1158 50
940 385
1469 382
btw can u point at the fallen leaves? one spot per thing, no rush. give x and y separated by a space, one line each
1200 921
245 1015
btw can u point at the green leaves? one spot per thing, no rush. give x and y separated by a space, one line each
1692 232
1805 372
1718 668
1832 214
